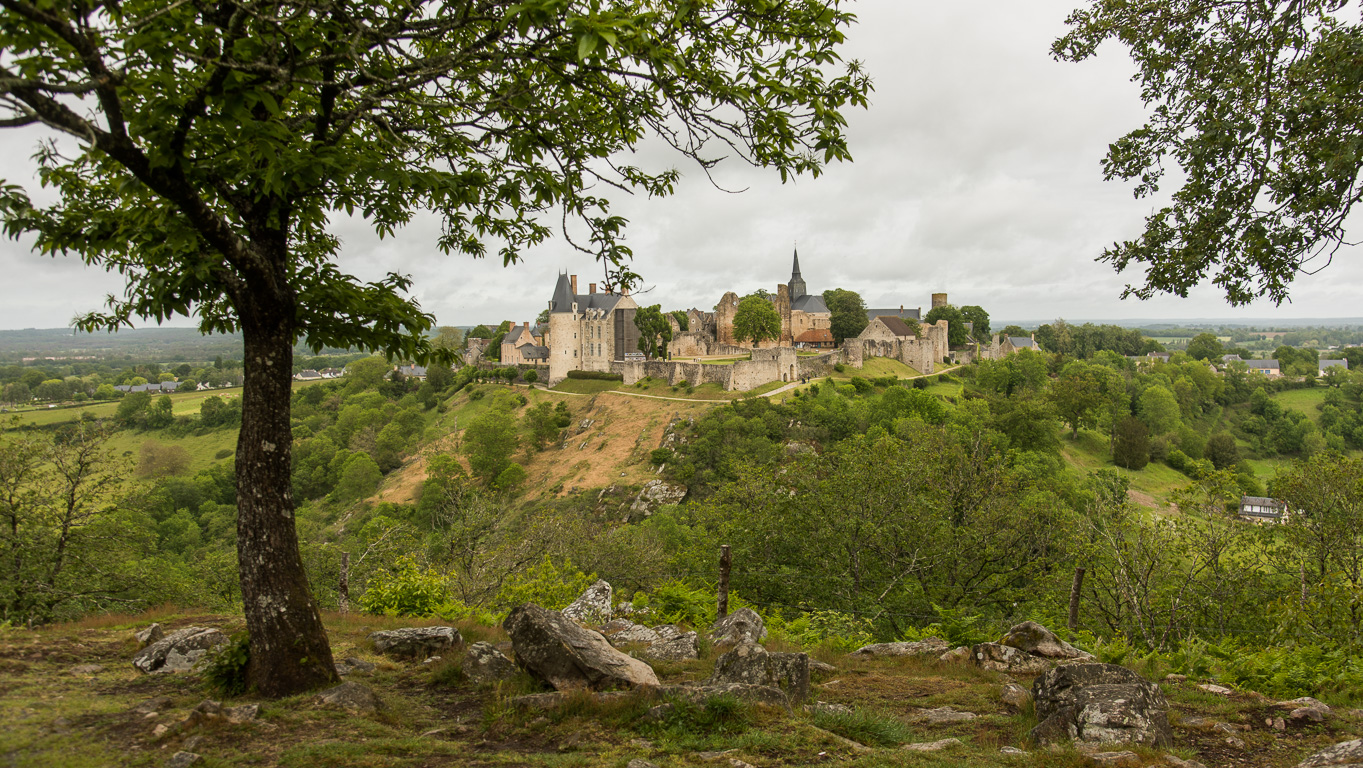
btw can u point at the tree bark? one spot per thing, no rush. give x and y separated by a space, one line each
289 649
722 598
1076 589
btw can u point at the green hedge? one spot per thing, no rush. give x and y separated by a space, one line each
599 375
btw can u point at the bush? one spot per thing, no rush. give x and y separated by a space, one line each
224 453
839 367
598 375
546 585
409 590
161 460
660 456
225 670
843 632
531 377
1131 444
510 479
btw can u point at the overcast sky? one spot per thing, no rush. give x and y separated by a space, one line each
976 173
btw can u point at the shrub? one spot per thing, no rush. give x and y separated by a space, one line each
408 590
224 453
660 456
843 632
510 479
1131 444
161 460
839 367
861 385
683 383
225 669
598 375
531 377
546 585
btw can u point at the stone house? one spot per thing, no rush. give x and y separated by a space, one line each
522 346
1261 509
587 332
800 313
1268 368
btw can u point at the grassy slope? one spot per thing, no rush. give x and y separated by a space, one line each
183 404
1150 486
434 718
1304 400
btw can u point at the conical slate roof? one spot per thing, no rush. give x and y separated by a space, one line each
563 295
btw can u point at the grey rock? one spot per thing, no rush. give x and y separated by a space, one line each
1171 678
751 664
180 651
680 648
1179 762
1099 703
741 626
640 763
242 714
625 632
932 646
931 746
351 665
1318 714
1304 701
87 669
1277 724
1035 639
753 694
1015 695
592 606
818 666
559 652
146 637
1115 758
1005 658
945 716
1219 690
1347 754
957 655
351 697
1234 742
183 760
483 663
415 642
1011 751
655 494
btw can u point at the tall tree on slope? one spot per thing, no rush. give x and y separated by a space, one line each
207 145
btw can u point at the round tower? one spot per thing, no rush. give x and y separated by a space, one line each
939 300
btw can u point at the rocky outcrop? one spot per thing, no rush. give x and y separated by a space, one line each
931 646
483 663
751 664
592 606
1348 754
1005 658
557 651
1097 703
931 746
1035 639
741 626
180 651
415 642
622 632
655 494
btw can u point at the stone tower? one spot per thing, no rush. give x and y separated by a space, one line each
939 300
797 283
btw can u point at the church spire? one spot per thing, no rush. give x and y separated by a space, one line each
797 283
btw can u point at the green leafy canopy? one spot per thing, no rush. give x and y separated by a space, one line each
214 143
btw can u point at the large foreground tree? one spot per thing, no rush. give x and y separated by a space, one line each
207 146
1260 104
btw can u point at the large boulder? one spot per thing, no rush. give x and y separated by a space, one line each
351 697
998 657
673 644
751 664
483 663
592 606
180 651
625 632
415 642
1035 639
559 652
741 626
931 646
1099 703
1347 754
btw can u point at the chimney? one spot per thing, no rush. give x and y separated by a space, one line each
592 288
527 325
573 280
901 309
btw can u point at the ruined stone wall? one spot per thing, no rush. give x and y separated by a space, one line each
724 318
782 304
690 344
821 365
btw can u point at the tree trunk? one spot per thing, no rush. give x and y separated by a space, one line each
289 649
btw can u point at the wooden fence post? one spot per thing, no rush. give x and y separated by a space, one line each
722 600
343 589
1075 590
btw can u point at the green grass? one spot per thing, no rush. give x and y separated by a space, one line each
1304 400
1090 453
586 386
182 404
202 448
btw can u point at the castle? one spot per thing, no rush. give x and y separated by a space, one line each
588 332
